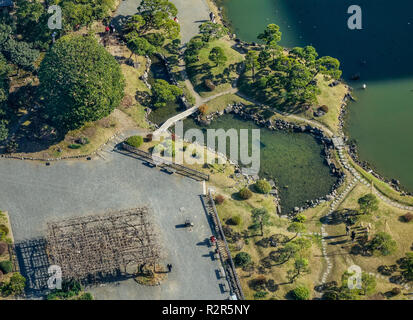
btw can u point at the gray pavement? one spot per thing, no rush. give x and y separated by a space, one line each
191 13
34 193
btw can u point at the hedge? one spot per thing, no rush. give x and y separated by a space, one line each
6 266
245 193
262 186
134 141
301 293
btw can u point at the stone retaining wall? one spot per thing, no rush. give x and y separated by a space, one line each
279 124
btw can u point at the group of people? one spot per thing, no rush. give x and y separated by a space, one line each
354 234
110 28
212 17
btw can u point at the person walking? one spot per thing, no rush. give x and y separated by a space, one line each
353 236
212 17
212 239
347 230
169 266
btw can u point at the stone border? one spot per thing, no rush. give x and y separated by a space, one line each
279 124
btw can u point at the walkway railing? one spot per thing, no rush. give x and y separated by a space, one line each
168 165
223 249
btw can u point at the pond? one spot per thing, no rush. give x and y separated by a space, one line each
380 121
293 160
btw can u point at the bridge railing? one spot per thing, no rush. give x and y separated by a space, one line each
231 271
166 163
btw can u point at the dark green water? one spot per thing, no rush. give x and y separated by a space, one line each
293 159
381 120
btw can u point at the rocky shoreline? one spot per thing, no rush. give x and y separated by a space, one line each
243 113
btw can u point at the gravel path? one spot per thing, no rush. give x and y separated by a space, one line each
34 194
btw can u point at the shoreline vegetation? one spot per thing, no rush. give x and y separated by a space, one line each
386 220
389 187
276 257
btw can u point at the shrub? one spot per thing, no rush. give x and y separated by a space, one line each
245 193
74 146
258 284
300 218
219 199
3 248
324 108
164 93
12 147
301 293
262 186
407 217
368 203
134 141
235 220
242 259
203 109
149 137
209 85
387 270
15 286
21 53
6 266
85 296
4 229
260 294
382 244
395 291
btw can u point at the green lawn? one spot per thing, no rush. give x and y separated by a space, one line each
221 102
205 69
332 97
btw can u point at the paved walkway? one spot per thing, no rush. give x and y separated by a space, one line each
191 14
34 194
357 178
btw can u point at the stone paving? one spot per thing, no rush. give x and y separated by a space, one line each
357 178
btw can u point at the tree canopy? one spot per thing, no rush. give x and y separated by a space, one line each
4 93
382 244
163 92
261 217
217 55
79 82
286 77
368 203
147 30
212 31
